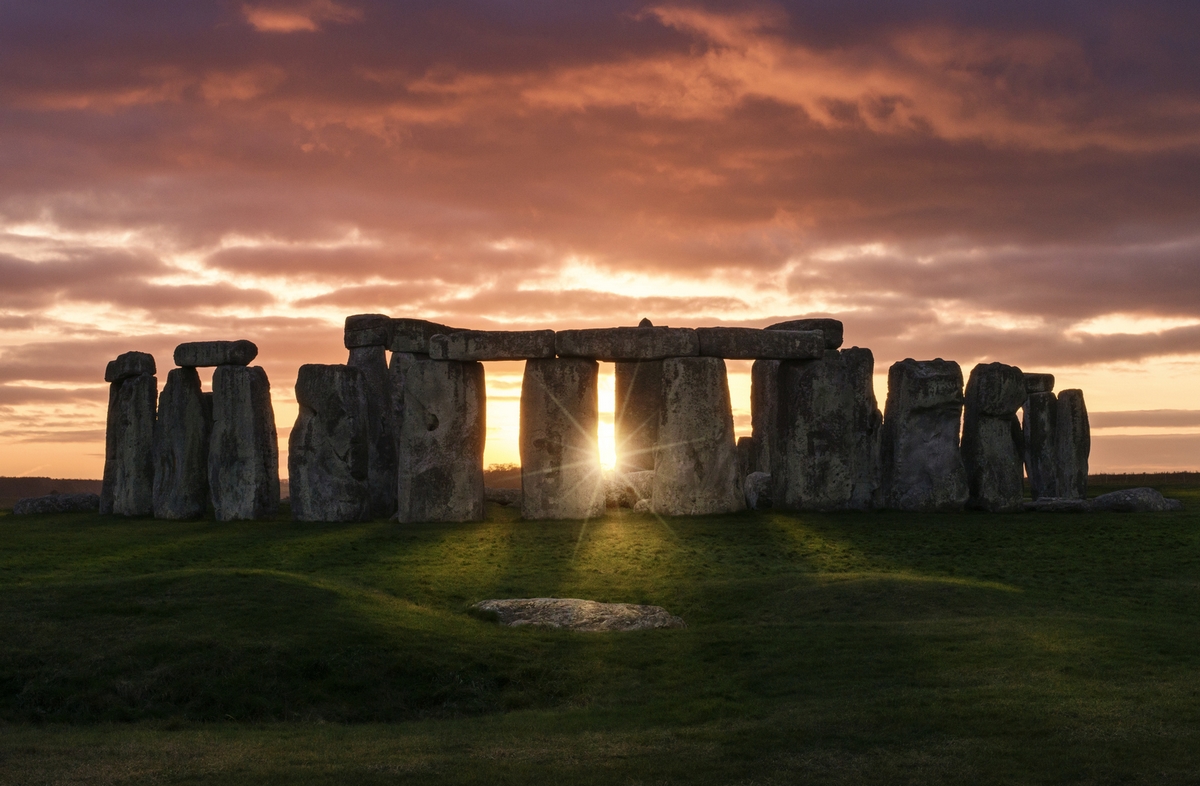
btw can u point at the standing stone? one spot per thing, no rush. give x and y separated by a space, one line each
560 455
992 443
922 466
1040 426
181 437
639 407
243 453
746 455
764 412
696 466
1074 440
440 415
1039 383
381 428
128 485
328 447
367 330
824 447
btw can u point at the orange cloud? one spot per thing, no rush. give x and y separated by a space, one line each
303 17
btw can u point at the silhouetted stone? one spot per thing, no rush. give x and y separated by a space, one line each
1139 500
129 365
867 425
627 343
745 454
1057 505
412 335
695 467
764 412
181 436
638 409
751 343
758 490
441 424
367 330
992 443
560 458
57 503
493 345
243 453
1039 383
381 428
215 353
1074 444
831 328
327 449
922 466
128 485
1040 424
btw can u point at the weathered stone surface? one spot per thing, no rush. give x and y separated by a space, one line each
758 490
823 450
751 343
412 335
1057 505
627 343
1039 383
644 506
367 330
638 409
625 490
57 503
830 328
560 457
181 437
1040 425
129 365
695 466
581 615
128 486
922 465
215 353
441 424
243 453
505 497
764 412
328 446
493 345
1139 500
1074 445
381 429
746 456
992 442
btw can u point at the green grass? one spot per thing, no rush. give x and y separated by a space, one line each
850 648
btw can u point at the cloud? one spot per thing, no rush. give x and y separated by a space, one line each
298 17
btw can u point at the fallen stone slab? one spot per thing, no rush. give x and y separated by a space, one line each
367 330
243 451
580 615
638 408
1138 500
1039 383
128 485
627 343
1074 444
181 437
486 345
215 353
830 328
328 446
505 497
129 365
743 343
758 491
1057 505
1040 427
57 503
413 335
381 428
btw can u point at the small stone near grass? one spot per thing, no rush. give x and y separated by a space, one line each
576 614
58 503
504 497
1139 500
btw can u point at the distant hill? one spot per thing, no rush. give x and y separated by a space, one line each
13 489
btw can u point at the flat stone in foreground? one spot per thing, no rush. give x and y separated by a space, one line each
57 503
582 615
743 343
627 343
129 365
367 330
215 353
493 345
830 328
327 449
243 452
412 335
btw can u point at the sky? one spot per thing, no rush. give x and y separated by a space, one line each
1014 182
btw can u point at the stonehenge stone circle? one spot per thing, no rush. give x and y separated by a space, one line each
57 503
1039 383
922 466
741 343
560 457
440 415
992 442
367 330
381 428
127 488
328 448
830 328
243 453
1073 444
181 437
413 335
215 353
638 409
696 466
493 345
1040 426
627 343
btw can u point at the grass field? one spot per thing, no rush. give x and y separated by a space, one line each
849 648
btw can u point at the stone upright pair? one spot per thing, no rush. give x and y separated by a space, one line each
1057 439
